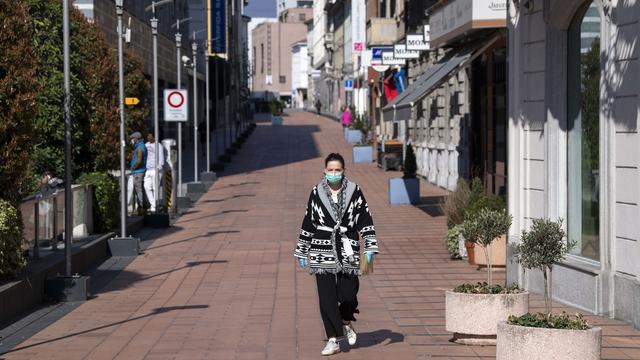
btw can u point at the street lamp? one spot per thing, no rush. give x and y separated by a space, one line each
179 86
123 189
194 49
68 200
154 32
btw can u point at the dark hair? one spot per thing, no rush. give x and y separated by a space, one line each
334 157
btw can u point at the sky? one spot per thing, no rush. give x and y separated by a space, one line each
261 8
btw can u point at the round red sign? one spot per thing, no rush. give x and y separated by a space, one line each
175 99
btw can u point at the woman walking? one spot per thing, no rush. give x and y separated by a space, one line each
328 243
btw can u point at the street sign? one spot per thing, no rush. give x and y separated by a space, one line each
400 52
131 101
348 85
380 68
376 54
358 47
175 105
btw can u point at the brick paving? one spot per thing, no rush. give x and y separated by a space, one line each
222 283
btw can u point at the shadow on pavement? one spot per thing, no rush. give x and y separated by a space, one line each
432 205
373 338
152 313
210 233
123 279
212 215
227 198
271 146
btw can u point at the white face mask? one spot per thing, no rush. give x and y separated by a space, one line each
133 141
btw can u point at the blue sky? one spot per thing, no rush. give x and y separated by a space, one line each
261 8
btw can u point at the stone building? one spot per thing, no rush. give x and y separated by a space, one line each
574 145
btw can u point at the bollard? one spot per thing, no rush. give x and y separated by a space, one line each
54 245
171 160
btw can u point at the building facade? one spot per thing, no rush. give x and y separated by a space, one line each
573 146
272 51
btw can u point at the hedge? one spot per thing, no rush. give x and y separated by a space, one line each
106 200
11 259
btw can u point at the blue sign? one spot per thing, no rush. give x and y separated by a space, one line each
217 26
348 85
376 53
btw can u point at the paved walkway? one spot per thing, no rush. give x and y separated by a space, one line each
222 283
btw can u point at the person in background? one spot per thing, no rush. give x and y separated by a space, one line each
154 166
318 107
346 117
138 166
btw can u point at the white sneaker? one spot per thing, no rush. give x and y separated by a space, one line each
350 333
331 348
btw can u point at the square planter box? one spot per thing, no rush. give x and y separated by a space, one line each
353 136
362 154
404 191
276 120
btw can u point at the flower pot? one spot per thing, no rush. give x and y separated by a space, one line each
523 342
353 136
470 252
473 318
362 154
403 191
498 253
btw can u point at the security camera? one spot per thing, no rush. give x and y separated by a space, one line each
186 60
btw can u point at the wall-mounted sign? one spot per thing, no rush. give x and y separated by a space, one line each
389 59
217 26
456 17
358 47
417 42
348 85
400 52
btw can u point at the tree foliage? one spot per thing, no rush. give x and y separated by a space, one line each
540 248
18 93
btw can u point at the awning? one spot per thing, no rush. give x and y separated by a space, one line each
400 108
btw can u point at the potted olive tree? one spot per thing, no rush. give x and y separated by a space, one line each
472 312
276 108
362 151
546 335
406 190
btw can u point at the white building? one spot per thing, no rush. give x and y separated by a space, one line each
574 148
299 77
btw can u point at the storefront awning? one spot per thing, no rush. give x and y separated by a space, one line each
400 108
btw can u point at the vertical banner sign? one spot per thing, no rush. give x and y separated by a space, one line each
217 26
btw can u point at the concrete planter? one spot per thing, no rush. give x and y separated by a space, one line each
473 318
522 342
404 191
362 154
353 136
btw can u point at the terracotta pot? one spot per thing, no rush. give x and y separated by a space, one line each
470 252
498 253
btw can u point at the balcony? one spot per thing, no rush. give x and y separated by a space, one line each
381 31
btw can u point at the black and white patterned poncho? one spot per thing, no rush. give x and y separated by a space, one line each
320 239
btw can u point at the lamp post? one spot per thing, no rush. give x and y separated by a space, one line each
123 183
154 33
68 199
194 49
179 86
206 72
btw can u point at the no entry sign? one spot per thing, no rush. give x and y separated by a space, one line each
175 105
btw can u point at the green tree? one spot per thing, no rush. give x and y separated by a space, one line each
136 85
18 93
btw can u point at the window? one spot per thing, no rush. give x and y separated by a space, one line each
283 79
302 17
262 58
583 141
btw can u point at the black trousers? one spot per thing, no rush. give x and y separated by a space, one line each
338 300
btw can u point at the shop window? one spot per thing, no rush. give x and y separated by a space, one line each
583 142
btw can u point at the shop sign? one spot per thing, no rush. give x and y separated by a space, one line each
456 17
400 52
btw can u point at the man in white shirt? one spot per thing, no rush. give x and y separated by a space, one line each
154 164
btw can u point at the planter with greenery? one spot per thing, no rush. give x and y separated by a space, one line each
479 200
545 335
362 151
472 312
406 190
11 259
276 112
106 192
